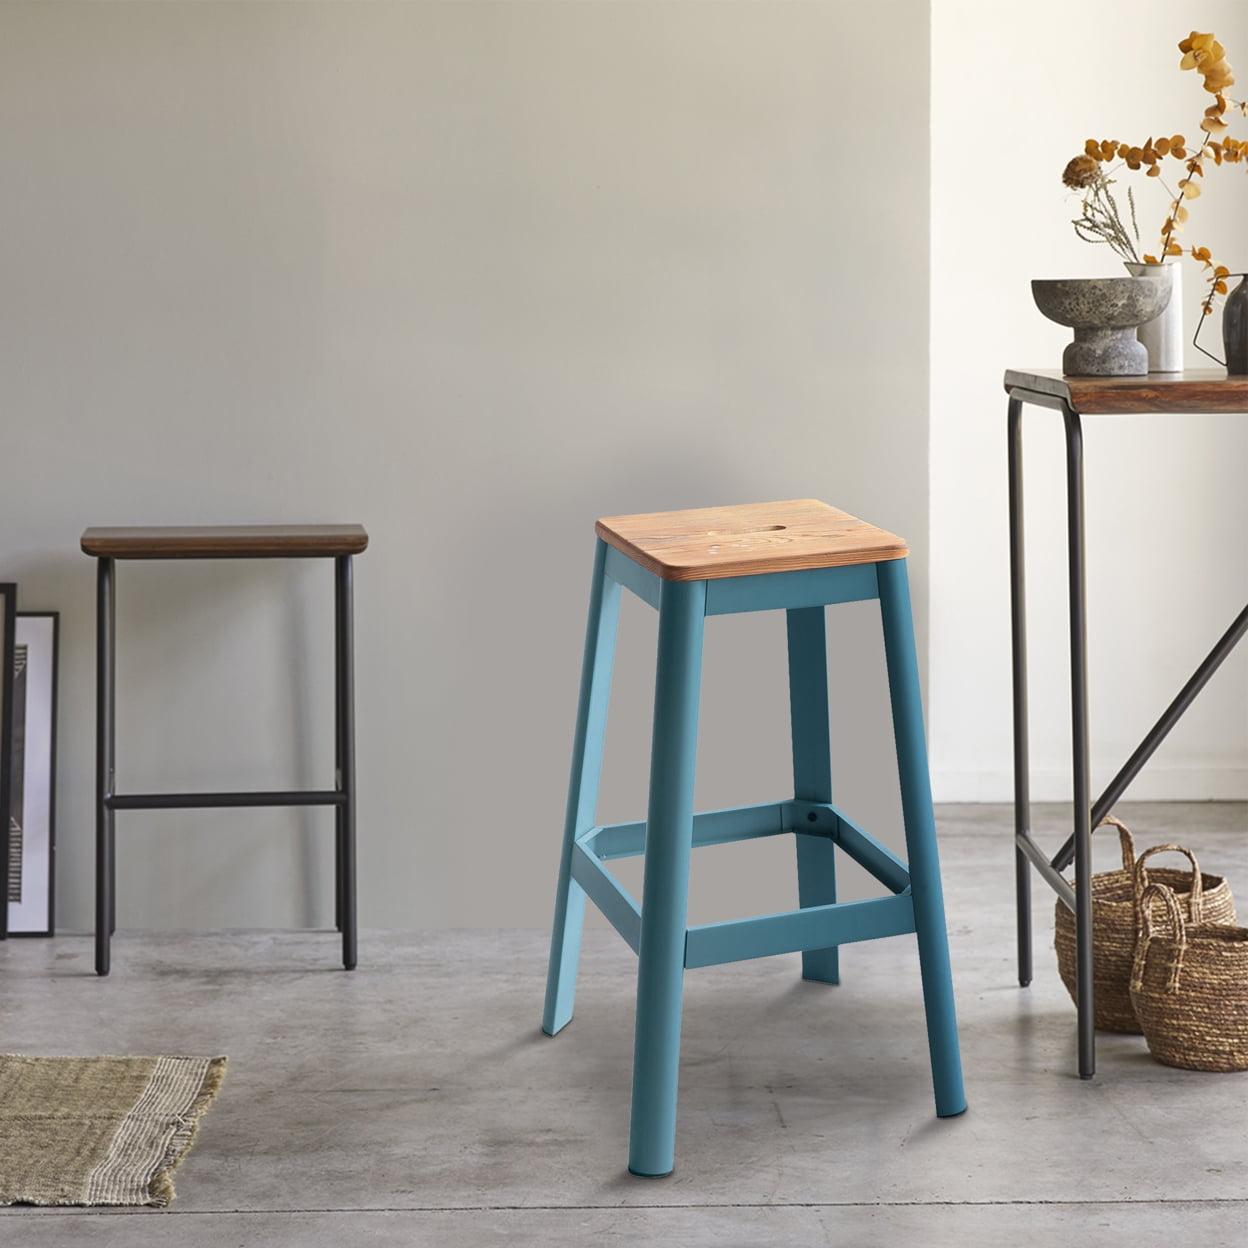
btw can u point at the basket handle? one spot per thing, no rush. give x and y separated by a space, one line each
1171 903
1126 842
1196 902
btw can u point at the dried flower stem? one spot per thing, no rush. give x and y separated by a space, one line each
1101 222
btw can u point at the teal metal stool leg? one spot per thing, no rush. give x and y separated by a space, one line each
916 801
664 905
591 725
812 772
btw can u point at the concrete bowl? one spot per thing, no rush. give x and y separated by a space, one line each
1101 302
1104 313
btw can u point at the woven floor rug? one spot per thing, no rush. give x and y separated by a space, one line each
99 1130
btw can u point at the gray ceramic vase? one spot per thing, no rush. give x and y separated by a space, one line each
1235 330
1104 313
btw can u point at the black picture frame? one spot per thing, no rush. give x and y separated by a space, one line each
8 628
39 708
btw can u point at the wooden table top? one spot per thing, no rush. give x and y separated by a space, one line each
1193 390
226 541
710 543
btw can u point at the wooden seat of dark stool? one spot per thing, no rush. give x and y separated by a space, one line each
226 541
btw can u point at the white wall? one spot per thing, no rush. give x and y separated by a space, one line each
471 274
1016 89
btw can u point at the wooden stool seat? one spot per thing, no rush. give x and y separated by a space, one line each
710 543
226 541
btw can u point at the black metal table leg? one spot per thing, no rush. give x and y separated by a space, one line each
105 741
1018 622
345 718
1027 853
1079 740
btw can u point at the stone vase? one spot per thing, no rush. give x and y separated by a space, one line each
1162 337
1104 312
1235 330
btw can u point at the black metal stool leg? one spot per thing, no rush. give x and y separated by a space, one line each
1079 739
345 718
338 835
112 873
112 754
1022 762
105 739
338 714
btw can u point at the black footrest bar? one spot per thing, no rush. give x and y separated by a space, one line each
194 801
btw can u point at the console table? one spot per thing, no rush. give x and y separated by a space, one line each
1193 391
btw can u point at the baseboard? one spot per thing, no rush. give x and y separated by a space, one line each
1153 784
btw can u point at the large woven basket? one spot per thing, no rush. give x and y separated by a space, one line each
1115 894
1189 986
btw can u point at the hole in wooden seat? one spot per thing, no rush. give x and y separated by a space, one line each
767 528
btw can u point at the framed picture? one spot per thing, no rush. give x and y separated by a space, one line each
8 612
32 771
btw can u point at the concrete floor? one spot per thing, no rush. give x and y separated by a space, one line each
414 1102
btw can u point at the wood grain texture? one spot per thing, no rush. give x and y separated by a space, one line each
1194 390
226 541
751 539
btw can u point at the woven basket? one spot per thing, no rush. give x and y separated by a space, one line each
1190 988
1204 898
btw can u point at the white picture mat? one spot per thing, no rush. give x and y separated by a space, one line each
37 634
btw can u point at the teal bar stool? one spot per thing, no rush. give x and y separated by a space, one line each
799 557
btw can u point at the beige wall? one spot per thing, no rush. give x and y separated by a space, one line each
471 274
1016 89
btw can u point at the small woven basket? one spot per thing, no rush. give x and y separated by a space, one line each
1190 989
1115 898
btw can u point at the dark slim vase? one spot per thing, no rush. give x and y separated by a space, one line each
1235 329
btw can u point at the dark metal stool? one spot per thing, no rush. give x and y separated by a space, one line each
295 541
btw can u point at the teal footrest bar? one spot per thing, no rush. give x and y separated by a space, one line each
819 927
606 892
816 927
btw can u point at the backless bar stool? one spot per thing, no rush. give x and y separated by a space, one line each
800 557
293 541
